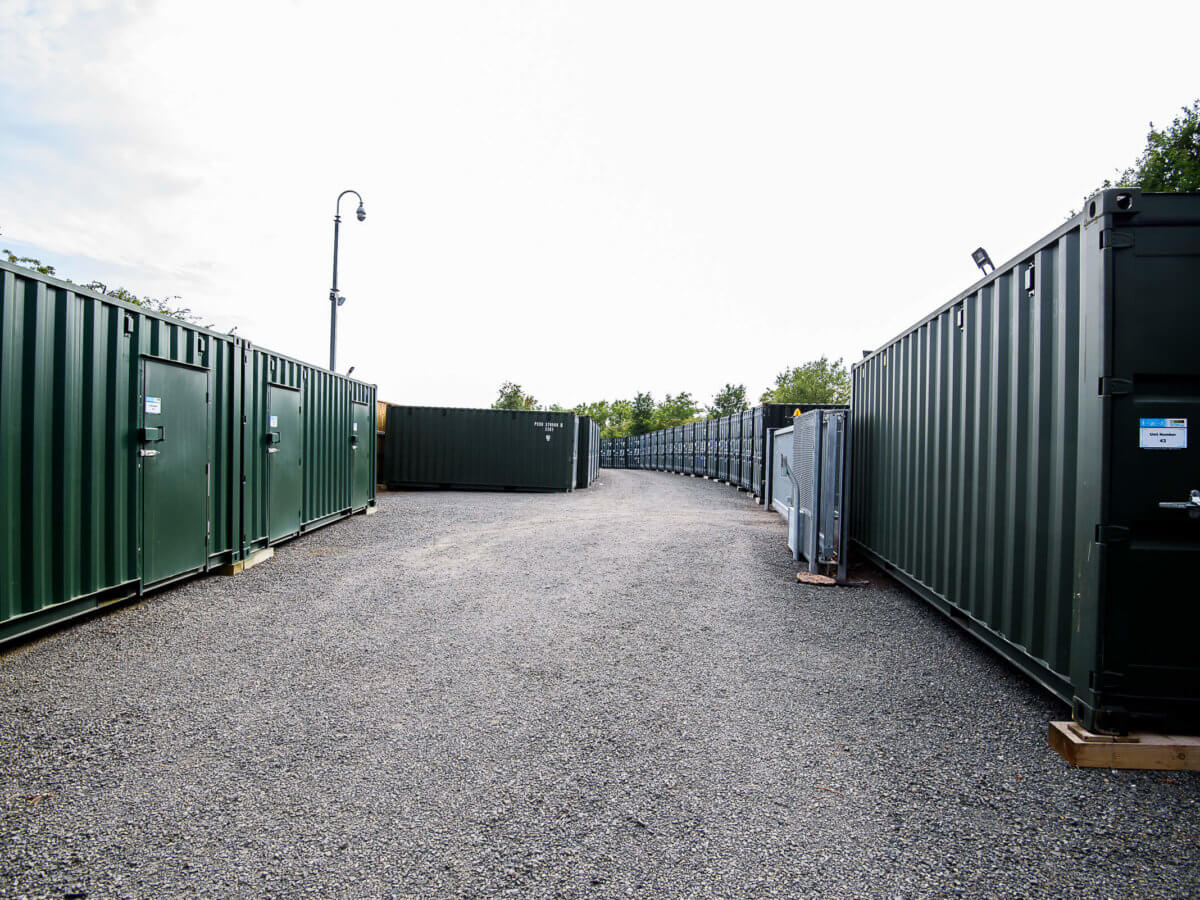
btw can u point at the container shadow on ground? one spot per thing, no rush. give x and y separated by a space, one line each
621 689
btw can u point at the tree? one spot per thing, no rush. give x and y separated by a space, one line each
513 396
167 306
620 415
819 381
730 399
599 412
28 262
1171 160
641 419
675 410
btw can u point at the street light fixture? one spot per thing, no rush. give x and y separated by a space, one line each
335 300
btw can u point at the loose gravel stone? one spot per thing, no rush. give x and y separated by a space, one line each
617 692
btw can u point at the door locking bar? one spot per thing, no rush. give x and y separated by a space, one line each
1193 503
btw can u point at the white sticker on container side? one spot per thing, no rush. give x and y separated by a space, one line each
274 421
154 405
1162 434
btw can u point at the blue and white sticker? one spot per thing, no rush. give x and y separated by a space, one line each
1162 434
154 405
274 422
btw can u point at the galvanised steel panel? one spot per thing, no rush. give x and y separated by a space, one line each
71 409
1002 470
587 452
446 447
606 453
775 415
619 451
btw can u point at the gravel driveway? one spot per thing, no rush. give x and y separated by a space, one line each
621 691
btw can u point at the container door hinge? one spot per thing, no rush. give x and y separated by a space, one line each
1114 387
1115 240
1111 534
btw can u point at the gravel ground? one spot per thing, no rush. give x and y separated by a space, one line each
621 691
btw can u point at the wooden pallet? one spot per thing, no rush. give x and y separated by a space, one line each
1138 750
250 561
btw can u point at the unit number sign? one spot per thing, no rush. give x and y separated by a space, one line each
1163 434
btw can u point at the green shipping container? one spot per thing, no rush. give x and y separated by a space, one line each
1021 459
309 450
122 450
499 449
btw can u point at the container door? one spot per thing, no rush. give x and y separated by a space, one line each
174 457
284 473
1153 564
362 439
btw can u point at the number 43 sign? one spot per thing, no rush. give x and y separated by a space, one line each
1163 434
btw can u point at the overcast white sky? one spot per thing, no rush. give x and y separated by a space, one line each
588 198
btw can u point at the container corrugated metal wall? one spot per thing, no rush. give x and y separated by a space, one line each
121 450
746 451
330 408
447 447
998 469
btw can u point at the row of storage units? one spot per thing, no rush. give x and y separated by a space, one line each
443 447
136 450
730 449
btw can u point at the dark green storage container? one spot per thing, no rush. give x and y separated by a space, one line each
723 448
122 450
687 465
746 450
1021 460
447 447
307 453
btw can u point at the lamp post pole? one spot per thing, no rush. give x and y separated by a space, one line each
334 300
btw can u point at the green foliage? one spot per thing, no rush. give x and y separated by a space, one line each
599 411
620 416
513 396
1171 160
28 262
641 419
730 399
675 410
819 381
167 306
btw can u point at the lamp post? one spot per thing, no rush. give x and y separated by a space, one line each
334 300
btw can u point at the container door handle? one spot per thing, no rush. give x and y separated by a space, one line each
1192 503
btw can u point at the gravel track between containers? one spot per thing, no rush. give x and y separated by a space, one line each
612 692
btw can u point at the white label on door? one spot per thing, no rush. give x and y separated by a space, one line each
154 405
1163 434
274 421
356 426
